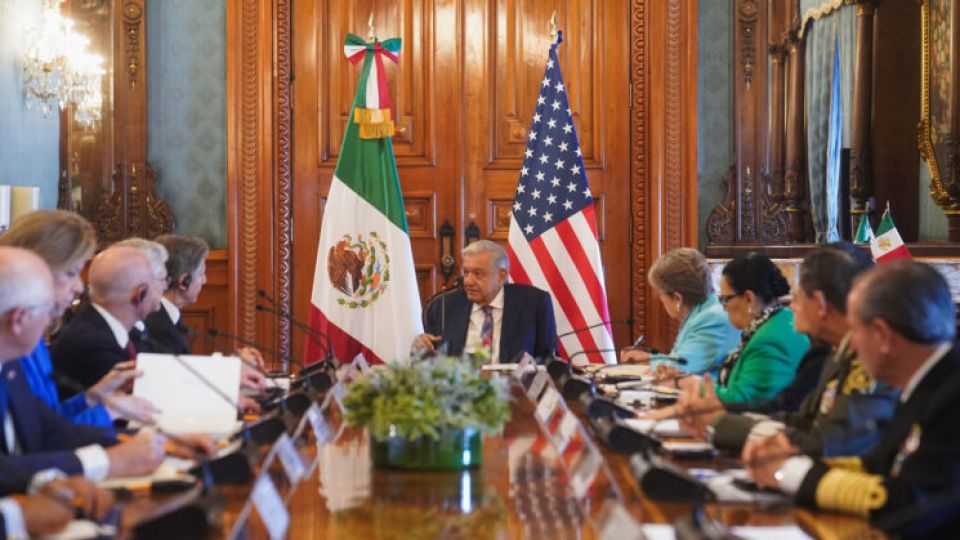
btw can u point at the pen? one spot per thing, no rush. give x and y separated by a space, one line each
638 341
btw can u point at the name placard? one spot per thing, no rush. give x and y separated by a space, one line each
266 499
537 385
290 459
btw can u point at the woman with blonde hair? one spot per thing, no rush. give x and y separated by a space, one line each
65 241
681 278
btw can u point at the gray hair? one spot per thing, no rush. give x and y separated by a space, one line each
913 298
500 259
24 279
683 271
153 250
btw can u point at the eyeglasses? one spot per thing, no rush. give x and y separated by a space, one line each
726 298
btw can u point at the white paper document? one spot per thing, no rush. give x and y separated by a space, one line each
660 428
193 393
658 531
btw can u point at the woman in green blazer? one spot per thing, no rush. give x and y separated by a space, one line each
770 349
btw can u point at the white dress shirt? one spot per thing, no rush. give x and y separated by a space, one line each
172 310
474 341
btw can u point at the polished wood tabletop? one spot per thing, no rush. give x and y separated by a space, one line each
522 490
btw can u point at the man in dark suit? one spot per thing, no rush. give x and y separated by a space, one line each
187 269
32 436
902 324
123 290
489 315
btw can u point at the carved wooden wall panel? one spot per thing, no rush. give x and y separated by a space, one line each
463 92
412 86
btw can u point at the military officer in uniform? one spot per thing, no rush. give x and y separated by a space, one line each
902 325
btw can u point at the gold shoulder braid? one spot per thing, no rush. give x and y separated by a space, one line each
849 491
858 380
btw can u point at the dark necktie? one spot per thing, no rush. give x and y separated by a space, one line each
131 349
4 410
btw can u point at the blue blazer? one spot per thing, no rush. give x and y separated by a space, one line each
705 338
38 369
527 325
46 440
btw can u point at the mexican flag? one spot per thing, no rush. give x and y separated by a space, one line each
888 246
864 230
365 295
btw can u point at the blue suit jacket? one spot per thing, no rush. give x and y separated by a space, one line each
46 439
527 325
38 369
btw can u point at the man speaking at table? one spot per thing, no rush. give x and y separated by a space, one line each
488 314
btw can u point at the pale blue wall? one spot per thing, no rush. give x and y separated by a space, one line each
933 222
186 104
715 152
29 143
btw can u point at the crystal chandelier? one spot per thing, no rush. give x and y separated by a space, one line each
58 69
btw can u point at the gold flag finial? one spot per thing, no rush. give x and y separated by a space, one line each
553 26
371 35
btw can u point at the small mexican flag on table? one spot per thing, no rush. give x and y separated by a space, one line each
887 245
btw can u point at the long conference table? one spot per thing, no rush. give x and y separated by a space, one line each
522 490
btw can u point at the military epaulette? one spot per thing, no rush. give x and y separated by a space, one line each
849 491
858 380
851 463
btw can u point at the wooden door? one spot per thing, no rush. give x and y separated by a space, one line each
463 94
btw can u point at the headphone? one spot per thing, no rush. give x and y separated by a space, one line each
186 281
142 296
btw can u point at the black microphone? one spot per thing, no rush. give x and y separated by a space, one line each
311 332
589 351
592 326
319 376
263 294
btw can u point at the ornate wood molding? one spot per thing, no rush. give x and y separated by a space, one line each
132 19
284 108
638 155
663 147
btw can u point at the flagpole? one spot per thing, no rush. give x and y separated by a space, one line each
553 26
371 35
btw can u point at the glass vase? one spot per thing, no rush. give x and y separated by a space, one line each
455 449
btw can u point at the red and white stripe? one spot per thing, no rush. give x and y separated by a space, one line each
565 261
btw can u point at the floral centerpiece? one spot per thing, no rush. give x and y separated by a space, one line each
428 413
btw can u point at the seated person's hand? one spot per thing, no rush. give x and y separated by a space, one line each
82 494
44 514
664 371
762 457
118 378
660 414
425 343
130 407
698 410
634 356
252 379
137 455
251 356
248 405
192 446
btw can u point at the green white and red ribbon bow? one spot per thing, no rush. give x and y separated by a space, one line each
372 103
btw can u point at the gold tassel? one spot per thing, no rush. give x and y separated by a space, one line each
853 492
374 123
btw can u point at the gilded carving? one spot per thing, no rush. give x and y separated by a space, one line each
638 149
748 46
722 220
132 18
249 165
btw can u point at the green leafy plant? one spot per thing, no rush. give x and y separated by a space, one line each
426 397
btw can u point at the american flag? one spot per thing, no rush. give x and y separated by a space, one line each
553 231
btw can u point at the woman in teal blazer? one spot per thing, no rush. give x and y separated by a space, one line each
681 278
770 349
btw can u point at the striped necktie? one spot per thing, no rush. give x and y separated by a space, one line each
486 331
